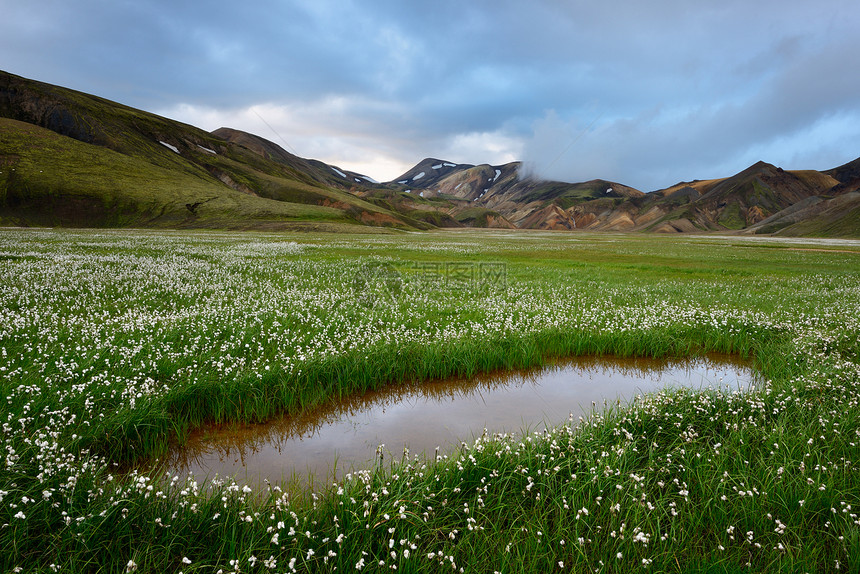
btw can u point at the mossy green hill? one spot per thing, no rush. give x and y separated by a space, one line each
52 180
72 159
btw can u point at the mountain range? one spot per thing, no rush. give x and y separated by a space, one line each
72 159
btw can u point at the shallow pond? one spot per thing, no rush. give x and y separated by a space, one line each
436 416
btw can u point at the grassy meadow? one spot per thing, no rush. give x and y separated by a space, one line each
114 345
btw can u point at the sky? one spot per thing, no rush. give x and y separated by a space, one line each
646 94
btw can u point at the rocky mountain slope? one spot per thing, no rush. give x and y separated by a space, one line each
505 197
73 159
762 198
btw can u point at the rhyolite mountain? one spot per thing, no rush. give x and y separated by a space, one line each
763 198
72 159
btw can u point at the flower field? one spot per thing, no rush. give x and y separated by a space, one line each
114 345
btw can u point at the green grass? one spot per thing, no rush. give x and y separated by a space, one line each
115 344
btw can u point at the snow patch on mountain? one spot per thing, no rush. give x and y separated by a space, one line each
167 145
337 171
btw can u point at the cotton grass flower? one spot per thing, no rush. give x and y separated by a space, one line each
94 325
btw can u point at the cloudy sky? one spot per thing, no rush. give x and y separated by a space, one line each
646 93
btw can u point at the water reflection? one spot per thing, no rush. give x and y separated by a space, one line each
328 441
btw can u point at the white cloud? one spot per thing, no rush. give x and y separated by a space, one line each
335 131
328 131
495 147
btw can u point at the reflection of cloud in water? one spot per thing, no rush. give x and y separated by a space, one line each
439 413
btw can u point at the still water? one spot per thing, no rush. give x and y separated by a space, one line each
331 440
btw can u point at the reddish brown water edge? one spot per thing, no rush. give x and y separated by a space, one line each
329 441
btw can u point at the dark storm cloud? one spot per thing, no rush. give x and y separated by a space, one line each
641 92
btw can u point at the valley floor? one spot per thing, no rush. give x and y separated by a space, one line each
116 344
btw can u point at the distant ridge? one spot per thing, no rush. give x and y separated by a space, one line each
72 159
739 203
